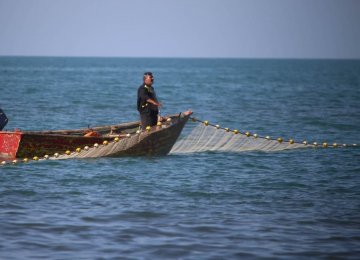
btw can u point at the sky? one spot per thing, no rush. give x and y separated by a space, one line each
181 28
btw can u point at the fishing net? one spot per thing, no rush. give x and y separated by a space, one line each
105 149
209 138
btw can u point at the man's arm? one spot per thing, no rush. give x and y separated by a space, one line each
149 100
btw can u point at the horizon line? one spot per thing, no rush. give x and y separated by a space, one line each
176 57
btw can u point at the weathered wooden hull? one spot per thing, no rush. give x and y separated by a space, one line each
157 141
39 145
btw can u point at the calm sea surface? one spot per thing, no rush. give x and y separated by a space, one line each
215 205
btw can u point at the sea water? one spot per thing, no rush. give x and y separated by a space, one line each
209 205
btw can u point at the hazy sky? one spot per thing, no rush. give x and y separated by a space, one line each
181 28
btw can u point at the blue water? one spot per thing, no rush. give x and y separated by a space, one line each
215 205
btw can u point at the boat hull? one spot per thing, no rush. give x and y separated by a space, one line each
39 145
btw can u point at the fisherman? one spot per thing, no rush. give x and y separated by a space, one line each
147 103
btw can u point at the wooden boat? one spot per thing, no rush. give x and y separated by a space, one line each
157 140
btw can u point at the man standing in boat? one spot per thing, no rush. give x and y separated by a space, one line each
147 103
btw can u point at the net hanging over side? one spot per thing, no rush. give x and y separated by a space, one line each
206 138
